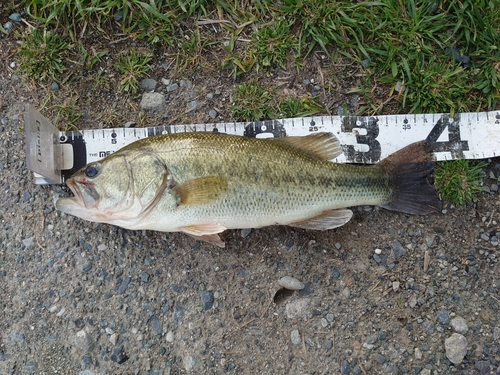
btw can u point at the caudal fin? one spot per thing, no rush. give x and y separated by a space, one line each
409 169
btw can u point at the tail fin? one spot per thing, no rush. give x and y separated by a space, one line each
408 169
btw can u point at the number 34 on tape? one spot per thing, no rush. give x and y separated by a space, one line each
54 156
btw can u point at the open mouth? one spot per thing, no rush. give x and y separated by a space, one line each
78 198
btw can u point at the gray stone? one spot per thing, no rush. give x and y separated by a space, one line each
345 368
291 283
496 333
144 276
85 267
295 337
346 293
207 299
418 353
16 17
29 367
213 113
148 84
459 324
28 242
156 326
328 344
152 101
299 308
456 348
398 249
192 105
425 371
26 196
84 341
189 363
54 86
395 286
119 355
124 285
428 326
8 26
172 87
443 317
483 367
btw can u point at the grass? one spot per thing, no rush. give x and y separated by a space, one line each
43 55
394 42
459 181
132 65
252 102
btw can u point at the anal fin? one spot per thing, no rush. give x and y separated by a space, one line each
325 220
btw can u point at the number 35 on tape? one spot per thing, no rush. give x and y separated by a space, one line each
54 156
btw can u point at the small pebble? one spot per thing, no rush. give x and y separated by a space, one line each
459 324
418 353
345 368
172 87
213 113
328 344
8 26
119 355
152 101
16 17
295 337
443 317
290 283
144 276
192 105
456 348
85 267
378 251
148 84
395 286
207 299
54 86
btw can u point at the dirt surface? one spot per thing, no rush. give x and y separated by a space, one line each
84 298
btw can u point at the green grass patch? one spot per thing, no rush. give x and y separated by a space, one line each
459 181
133 65
253 102
43 55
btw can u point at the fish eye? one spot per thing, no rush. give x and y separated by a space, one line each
91 171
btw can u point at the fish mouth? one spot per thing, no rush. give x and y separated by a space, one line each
85 194
76 191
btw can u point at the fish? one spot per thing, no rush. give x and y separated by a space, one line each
204 183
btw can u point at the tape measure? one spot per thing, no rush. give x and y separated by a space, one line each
53 156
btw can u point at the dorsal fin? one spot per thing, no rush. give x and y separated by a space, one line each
324 145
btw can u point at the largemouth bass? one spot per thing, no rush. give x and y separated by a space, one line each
204 183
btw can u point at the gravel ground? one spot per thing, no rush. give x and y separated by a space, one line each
387 293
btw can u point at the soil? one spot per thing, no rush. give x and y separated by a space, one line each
380 292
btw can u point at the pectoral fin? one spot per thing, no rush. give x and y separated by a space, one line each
201 190
213 239
324 146
326 220
202 229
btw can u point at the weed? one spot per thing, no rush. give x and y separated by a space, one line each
132 66
252 102
272 43
293 107
42 55
459 181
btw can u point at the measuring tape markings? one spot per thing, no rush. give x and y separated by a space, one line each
364 139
